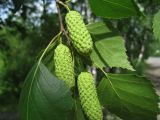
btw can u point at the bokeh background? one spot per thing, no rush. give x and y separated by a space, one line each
27 26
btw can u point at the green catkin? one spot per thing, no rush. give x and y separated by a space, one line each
88 96
64 66
80 36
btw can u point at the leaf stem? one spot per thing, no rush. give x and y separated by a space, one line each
64 5
53 39
108 79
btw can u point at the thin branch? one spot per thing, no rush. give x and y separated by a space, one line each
61 22
59 17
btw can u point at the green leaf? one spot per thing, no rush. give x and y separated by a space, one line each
129 96
99 28
44 97
114 8
109 49
78 110
156 25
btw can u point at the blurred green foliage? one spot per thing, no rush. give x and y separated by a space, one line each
22 37
138 35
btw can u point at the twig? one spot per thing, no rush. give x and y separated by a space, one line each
60 17
61 21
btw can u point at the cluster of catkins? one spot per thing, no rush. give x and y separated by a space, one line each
64 65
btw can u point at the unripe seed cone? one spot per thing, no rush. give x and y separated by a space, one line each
88 96
64 66
78 32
